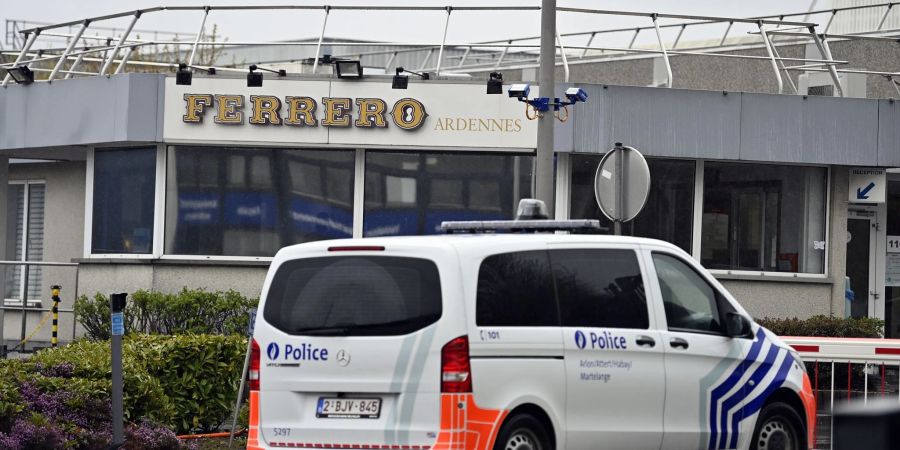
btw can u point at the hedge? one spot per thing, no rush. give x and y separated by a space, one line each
59 398
190 311
826 326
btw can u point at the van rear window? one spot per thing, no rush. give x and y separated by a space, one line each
354 296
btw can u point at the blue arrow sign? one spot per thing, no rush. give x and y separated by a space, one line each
863 193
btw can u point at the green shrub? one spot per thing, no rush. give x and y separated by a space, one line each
186 383
826 326
194 311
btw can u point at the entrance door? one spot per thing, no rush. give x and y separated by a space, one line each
860 264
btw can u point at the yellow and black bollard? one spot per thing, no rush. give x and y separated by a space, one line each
55 296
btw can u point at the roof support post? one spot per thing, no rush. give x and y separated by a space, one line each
65 54
725 36
427 58
321 37
190 61
565 60
665 53
503 54
884 17
830 20
786 73
589 42
677 38
125 58
390 61
443 41
75 65
28 43
895 84
115 50
637 31
770 51
465 55
822 44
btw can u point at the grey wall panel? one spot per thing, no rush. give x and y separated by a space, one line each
815 130
81 111
661 122
888 133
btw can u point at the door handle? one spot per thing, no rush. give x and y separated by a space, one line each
645 341
678 342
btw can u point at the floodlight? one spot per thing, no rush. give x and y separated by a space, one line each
254 78
348 69
400 81
184 76
21 74
495 83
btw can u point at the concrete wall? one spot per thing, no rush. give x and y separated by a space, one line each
164 276
781 299
63 240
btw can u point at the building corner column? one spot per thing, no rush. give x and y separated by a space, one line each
4 188
837 237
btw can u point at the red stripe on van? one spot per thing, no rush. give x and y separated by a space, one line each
887 351
806 348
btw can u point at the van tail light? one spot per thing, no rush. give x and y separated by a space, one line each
456 374
253 373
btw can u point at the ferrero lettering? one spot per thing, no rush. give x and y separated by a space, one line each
195 105
407 114
228 109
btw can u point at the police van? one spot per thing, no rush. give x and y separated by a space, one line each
515 341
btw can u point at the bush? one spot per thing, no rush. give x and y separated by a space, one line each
826 326
193 311
181 383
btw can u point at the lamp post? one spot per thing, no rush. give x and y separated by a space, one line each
543 171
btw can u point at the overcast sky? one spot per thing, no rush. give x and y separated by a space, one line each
391 26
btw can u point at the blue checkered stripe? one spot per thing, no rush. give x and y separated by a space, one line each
744 391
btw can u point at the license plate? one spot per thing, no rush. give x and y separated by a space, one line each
348 408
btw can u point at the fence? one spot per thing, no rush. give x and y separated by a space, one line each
842 369
33 313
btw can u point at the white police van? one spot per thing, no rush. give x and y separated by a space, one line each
517 342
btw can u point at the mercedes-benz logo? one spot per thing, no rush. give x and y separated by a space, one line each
343 358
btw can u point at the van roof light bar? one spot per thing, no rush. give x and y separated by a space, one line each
492 226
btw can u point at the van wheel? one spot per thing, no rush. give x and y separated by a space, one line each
523 432
779 428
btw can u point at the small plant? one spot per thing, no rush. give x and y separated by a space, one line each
826 326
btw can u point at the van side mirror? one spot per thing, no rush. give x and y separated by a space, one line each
737 326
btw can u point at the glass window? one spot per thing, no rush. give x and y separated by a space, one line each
600 288
24 223
253 201
354 296
668 214
516 290
691 304
763 218
412 193
124 200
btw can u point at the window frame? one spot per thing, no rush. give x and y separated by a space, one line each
721 300
23 287
159 195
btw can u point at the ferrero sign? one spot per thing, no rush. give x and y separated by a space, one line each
343 114
234 109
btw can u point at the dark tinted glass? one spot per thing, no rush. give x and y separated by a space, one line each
516 290
413 192
253 201
124 196
600 288
691 303
354 296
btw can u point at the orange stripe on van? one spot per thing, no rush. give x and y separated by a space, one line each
465 426
809 404
253 428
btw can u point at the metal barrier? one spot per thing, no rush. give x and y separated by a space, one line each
848 369
29 307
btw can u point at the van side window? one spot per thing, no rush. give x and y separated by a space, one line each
691 304
600 288
516 290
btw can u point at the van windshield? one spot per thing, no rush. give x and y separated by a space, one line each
354 296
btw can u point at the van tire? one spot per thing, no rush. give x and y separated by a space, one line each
779 427
523 432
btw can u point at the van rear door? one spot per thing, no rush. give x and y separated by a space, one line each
350 351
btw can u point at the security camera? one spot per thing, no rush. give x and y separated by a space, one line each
519 91
576 94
